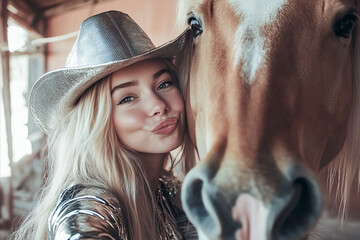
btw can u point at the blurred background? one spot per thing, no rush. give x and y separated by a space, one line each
36 37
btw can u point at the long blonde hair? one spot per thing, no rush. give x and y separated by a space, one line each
85 149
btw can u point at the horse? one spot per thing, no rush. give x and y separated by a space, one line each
272 92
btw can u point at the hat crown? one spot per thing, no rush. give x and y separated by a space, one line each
108 37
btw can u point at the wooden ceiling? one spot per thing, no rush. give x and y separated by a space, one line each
32 14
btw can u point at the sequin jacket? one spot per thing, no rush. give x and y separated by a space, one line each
85 212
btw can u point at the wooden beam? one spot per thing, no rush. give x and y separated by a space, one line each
5 57
5 63
26 16
38 30
68 6
20 5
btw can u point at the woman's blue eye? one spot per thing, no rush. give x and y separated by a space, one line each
126 100
165 85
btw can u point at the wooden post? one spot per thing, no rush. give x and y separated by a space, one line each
5 63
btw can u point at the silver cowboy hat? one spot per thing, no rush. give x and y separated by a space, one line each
106 43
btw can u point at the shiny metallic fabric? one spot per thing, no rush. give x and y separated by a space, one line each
85 212
106 43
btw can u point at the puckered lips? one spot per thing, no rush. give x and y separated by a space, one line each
167 126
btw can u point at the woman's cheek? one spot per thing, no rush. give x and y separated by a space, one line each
128 121
178 102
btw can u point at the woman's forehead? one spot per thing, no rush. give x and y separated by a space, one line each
143 68
148 69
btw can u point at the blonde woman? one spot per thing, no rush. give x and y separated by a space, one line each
113 115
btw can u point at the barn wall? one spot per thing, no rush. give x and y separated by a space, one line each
156 17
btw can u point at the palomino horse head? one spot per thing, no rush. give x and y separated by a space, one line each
271 100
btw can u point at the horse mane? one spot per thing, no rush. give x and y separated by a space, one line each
344 170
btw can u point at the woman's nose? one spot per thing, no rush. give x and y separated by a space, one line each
157 105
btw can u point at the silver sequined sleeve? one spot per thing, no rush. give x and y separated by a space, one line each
86 213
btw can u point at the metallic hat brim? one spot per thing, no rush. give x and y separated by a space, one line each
56 92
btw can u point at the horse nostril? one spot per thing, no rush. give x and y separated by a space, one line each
301 213
198 207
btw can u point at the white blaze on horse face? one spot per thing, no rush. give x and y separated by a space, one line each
249 44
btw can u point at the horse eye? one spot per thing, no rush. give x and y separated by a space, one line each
345 26
195 26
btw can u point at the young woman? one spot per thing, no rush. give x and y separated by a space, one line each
113 115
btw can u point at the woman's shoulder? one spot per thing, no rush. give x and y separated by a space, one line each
87 212
78 192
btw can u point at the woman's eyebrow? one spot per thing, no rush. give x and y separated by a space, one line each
161 72
135 82
124 85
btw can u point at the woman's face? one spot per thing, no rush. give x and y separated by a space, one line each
148 110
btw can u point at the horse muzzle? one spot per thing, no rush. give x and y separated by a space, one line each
283 209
